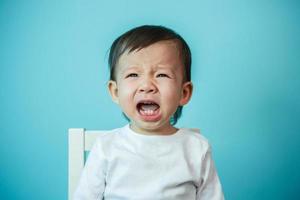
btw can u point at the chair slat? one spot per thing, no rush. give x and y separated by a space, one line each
76 157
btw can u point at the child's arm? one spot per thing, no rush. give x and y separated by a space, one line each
210 186
92 181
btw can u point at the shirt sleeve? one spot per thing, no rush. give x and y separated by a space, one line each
92 181
210 187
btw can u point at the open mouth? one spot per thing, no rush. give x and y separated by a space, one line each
149 110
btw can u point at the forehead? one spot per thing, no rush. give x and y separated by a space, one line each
162 53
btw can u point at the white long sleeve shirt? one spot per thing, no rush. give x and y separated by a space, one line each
124 165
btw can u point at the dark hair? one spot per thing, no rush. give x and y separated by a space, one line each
143 36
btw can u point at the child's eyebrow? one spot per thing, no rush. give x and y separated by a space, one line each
159 67
167 67
128 69
164 67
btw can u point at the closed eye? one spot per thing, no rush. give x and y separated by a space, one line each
162 75
132 75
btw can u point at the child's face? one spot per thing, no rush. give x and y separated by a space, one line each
150 86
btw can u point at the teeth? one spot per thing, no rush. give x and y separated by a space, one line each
147 112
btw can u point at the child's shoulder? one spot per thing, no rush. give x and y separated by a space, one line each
106 135
194 136
105 139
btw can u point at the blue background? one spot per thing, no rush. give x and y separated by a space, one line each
246 66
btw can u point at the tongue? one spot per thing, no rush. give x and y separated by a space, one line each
149 107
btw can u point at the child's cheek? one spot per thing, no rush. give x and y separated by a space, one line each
130 84
127 87
171 91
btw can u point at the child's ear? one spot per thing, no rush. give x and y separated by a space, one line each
187 90
113 90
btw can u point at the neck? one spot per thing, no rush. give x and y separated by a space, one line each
170 130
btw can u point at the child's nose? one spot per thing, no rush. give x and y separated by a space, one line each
147 86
